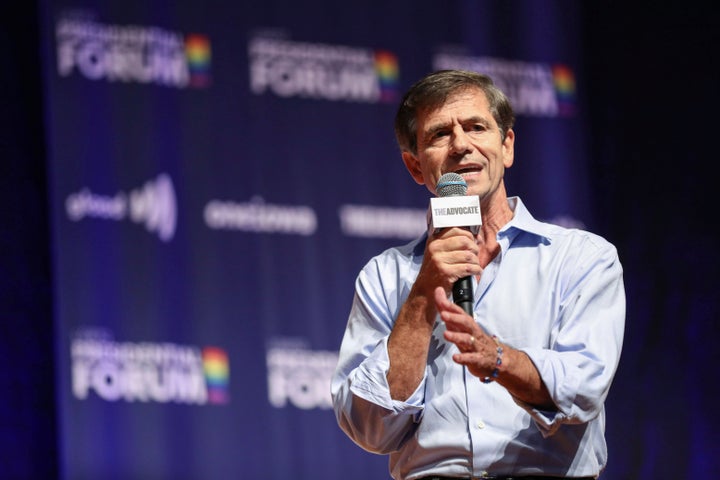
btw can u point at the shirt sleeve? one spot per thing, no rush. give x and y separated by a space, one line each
579 366
361 395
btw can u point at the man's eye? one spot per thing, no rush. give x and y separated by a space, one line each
439 136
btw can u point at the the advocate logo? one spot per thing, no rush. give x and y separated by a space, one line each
152 205
321 71
131 53
146 371
534 89
457 211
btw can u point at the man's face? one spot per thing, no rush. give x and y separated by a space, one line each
461 136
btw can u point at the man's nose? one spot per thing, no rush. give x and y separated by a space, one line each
459 141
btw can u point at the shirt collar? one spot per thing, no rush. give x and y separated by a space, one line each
524 221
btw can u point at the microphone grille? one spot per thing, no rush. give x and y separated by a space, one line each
451 185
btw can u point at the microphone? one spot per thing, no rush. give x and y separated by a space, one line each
462 212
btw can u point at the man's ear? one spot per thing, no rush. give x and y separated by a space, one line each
509 148
413 166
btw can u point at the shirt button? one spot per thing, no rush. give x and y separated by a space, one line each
480 424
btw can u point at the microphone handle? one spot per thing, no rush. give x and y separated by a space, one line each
463 294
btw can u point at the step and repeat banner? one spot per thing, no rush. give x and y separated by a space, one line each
219 173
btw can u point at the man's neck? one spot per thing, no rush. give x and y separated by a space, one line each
496 214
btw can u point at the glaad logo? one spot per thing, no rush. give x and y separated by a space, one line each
147 372
153 205
131 53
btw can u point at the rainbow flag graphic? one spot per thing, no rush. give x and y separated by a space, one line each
197 51
217 374
386 67
564 81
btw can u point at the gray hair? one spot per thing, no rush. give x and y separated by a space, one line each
433 90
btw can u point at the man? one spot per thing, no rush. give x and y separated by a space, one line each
518 390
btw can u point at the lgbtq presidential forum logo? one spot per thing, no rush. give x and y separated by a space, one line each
535 89
131 53
291 69
147 371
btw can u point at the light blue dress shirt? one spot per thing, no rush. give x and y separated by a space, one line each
555 293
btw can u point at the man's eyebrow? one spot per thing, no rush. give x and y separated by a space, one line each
432 129
477 119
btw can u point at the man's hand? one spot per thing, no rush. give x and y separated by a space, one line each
450 255
478 352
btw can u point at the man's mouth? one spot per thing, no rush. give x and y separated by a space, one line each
468 170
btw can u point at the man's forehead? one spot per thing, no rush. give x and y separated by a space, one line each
466 105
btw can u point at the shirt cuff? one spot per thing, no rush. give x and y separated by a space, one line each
370 383
560 383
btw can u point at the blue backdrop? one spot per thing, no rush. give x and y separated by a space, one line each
218 174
